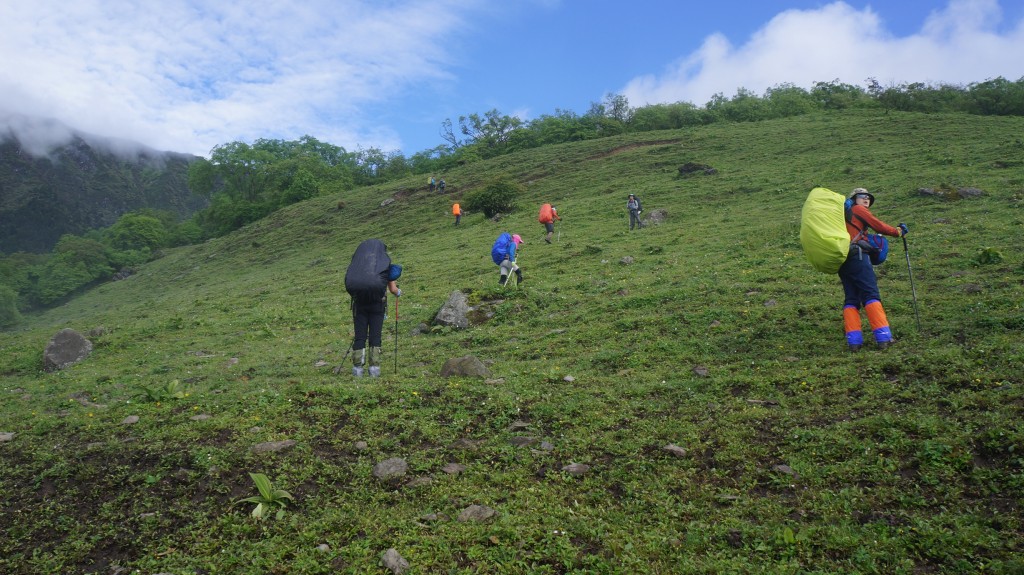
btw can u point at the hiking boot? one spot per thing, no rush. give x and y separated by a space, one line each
884 344
855 347
374 371
357 371
519 276
548 240
502 280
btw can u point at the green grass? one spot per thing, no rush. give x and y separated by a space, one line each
718 338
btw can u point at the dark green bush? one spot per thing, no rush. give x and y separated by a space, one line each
9 316
497 197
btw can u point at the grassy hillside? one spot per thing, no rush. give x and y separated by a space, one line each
716 337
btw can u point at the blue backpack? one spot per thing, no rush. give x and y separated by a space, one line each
500 248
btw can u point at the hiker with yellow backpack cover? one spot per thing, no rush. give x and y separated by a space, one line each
831 249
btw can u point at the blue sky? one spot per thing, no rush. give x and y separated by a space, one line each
188 75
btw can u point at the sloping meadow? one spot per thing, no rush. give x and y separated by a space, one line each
672 399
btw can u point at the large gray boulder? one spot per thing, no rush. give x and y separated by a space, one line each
455 311
65 349
466 366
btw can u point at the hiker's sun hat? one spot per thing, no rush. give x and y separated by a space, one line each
863 192
518 240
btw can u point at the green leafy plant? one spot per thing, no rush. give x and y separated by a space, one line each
172 390
268 497
987 256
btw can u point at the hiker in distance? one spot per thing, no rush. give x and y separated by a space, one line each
548 216
440 186
860 285
430 183
369 277
457 212
633 205
503 253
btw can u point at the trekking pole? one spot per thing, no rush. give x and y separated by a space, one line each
396 335
913 291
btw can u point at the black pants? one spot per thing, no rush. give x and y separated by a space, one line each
368 320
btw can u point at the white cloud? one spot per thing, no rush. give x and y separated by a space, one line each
186 76
957 45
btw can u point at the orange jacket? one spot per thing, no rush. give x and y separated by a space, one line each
853 227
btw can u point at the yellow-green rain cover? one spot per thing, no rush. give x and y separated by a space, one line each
823 230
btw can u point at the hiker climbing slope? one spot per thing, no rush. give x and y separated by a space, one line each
369 277
634 207
503 254
548 216
860 286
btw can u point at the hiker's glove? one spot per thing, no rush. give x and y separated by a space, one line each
903 229
398 293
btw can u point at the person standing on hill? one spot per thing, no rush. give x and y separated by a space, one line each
440 186
548 216
503 254
430 183
457 212
369 277
860 285
633 205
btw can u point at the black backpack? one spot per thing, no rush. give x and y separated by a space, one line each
366 279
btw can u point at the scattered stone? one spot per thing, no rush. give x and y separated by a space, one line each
626 260
466 366
576 469
230 362
715 323
83 399
655 217
361 446
691 168
201 417
273 446
785 469
972 288
65 349
394 467
387 202
455 311
518 425
6 436
391 559
431 517
675 450
499 381
771 303
419 482
545 446
467 444
476 513
790 358
568 379
522 441
321 363
700 371
453 468
323 548
98 331
130 420
762 402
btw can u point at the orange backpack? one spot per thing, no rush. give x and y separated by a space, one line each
456 210
545 216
